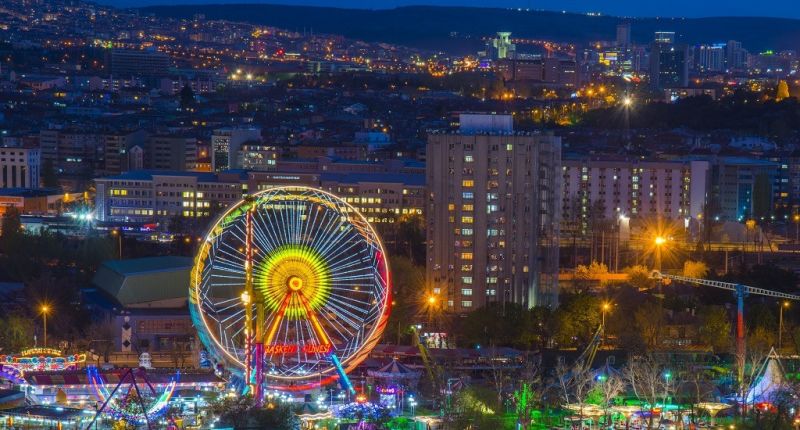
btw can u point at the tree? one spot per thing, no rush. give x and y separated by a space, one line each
16 332
187 97
650 382
408 290
649 319
577 319
715 328
695 269
49 178
639 277
609 386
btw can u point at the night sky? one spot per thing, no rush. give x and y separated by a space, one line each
687 8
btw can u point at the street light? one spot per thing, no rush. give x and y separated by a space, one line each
785 304
796 219
116 233
45 309
605 307
413 403
659 242
627 101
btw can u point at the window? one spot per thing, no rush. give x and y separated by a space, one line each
468 159
468 183
466 280
467 195
468 207
466 256
509 147
466 219
466 232
466 291
466 303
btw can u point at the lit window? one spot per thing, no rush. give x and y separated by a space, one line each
466 280
468 159
466 303
466 256
466 219
466 291
468 183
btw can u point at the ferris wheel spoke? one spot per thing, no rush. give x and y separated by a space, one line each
273 329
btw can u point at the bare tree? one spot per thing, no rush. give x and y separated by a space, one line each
610 386
651 383
575 384
527 396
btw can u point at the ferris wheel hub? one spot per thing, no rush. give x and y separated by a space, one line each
295 283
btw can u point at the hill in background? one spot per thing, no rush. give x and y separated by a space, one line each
432 27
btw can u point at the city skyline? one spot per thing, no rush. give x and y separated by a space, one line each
688 9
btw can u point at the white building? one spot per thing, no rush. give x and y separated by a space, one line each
19 167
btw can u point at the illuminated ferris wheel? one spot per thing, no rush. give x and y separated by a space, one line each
290 289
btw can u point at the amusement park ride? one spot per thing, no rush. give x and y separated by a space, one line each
290 290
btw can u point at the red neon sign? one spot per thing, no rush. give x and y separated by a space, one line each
290 348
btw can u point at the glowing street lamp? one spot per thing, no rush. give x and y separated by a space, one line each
606 306
659 241
45 309
784 304
627 101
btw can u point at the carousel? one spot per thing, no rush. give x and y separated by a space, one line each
392 381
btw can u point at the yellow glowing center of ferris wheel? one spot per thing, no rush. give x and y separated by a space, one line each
297 272
295 283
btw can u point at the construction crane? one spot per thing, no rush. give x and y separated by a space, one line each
585 360
740 291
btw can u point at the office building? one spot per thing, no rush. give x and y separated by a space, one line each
492 214
19 167
709 58
742 188
555 71
134 63
669 66
258 157
147 196
623 35
664 37
226 143
735 55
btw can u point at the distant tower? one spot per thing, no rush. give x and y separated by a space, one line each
624 35
502 46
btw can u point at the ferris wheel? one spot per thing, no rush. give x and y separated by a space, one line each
290 289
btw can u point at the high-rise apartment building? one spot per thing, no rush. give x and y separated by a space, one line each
492 214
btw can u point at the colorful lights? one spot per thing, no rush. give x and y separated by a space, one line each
318 291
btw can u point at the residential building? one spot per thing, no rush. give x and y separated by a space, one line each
134 63
115 148
742 188
492 214
608 188
170 152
